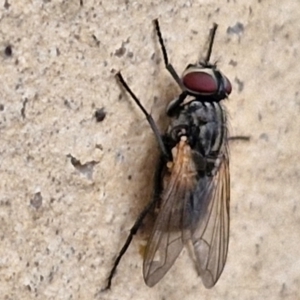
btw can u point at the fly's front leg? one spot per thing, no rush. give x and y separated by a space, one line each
211 42
169 67
147 115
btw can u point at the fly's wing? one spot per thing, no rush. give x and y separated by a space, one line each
210 235
170 233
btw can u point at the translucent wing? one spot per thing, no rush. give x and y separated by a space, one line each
170 231
210 234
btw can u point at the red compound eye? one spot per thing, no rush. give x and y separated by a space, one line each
227 85
200 83
206 81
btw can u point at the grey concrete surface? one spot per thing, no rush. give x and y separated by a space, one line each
61 224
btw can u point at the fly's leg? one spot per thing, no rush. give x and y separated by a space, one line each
147 115
239 137
143 214
169 67
211 42
133 231
139 221
172 107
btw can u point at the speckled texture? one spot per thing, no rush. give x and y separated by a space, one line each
61 224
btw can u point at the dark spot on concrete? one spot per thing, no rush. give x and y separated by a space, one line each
259 117
6 4
37 200
130 54
79 256
8 50
233 63
239 83
23 109
121 51
156 58
100 114
86 169
238 28
5 203
283 291
264 137
257 249
96 40
67 103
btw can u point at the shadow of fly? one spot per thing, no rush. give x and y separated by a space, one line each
192 186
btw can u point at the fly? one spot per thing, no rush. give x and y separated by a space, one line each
192 186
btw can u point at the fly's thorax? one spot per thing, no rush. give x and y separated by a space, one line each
204 125
210 118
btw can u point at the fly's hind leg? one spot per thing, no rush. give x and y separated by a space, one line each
133 231
150 206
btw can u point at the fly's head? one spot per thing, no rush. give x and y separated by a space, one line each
205 80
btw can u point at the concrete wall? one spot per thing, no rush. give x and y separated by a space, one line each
62 224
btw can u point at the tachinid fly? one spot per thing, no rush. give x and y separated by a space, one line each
192 186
